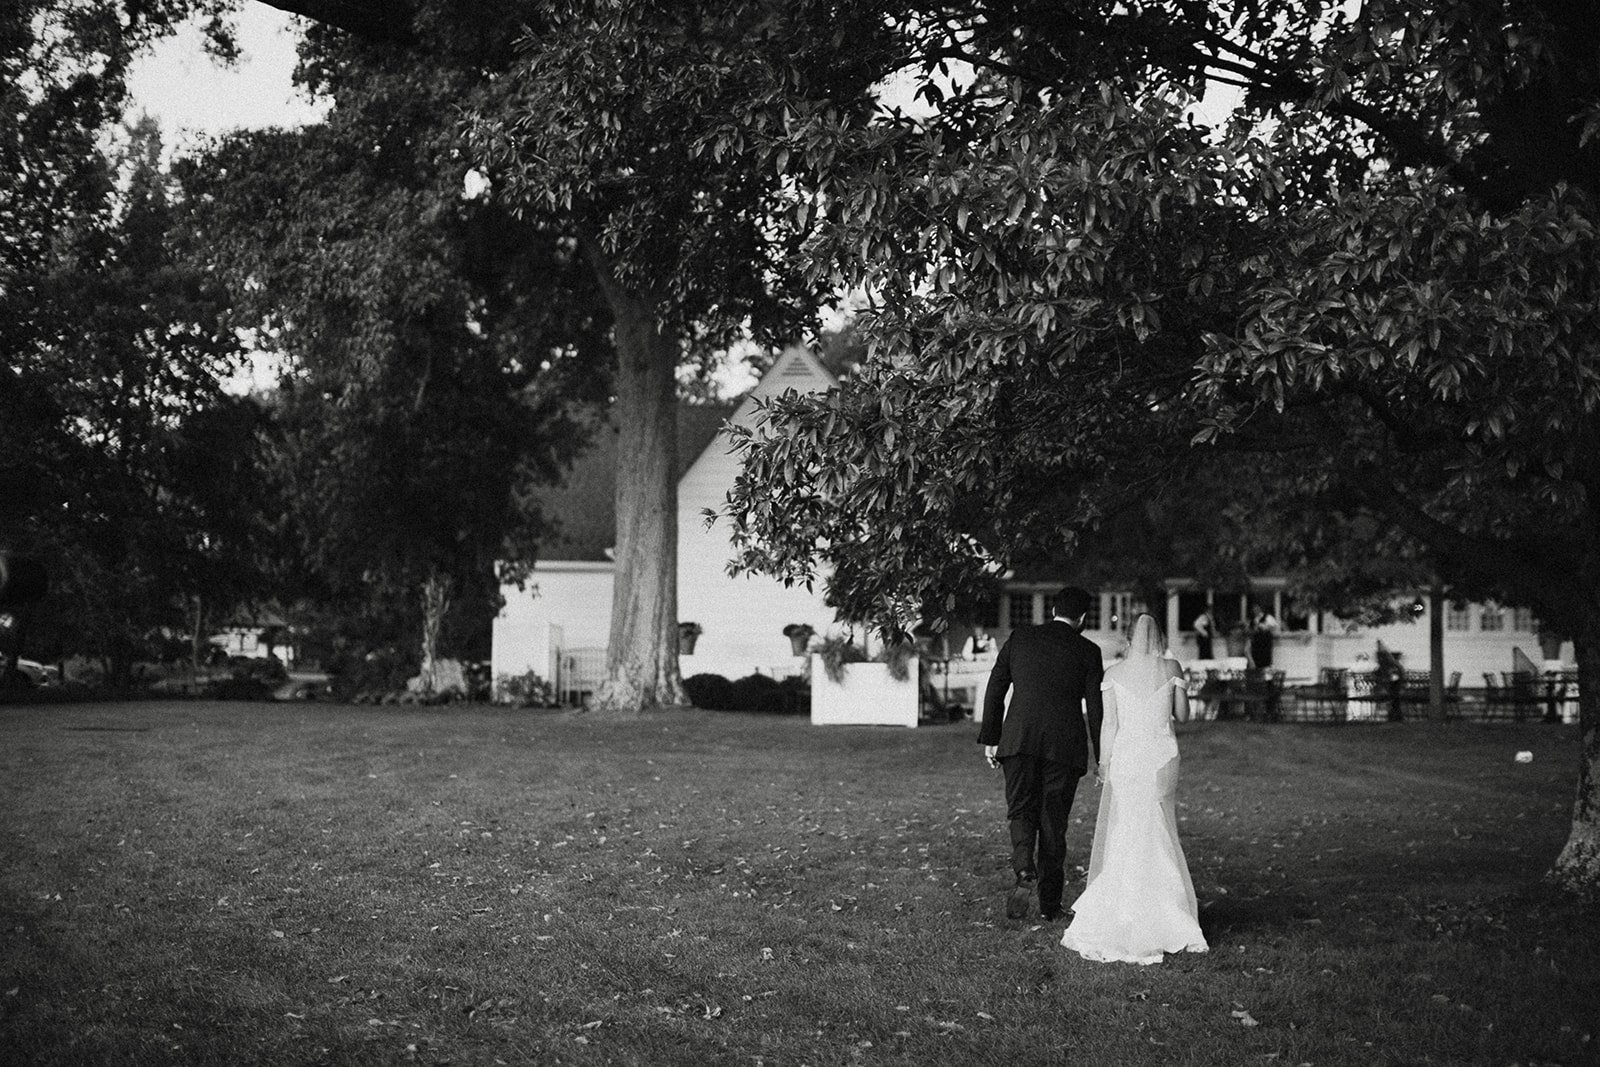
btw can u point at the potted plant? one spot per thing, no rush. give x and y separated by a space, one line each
898 658
688 634
799 635
855 690
835 652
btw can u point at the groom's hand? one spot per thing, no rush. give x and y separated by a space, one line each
989 754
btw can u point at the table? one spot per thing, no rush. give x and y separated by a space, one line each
1229 694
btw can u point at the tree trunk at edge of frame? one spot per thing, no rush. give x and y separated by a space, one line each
1578 866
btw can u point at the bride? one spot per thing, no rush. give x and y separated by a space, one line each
1139 901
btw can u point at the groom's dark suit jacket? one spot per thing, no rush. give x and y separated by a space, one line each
1054 672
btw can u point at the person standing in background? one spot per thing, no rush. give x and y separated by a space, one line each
1202 634
1263 630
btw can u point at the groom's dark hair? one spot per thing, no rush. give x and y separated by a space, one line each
1071 603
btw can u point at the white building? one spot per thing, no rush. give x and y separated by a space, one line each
1478 638
559 624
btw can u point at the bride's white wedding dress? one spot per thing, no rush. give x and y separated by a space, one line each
1139 901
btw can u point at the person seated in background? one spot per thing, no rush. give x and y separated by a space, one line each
979 644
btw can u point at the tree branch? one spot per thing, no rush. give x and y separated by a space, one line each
1179 50
387 21
1496 561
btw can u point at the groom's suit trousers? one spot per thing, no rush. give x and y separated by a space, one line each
1039 794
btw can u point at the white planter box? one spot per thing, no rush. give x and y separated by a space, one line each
866 697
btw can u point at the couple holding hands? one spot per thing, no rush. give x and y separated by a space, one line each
1138 902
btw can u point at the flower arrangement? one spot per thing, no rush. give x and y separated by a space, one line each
835 653
898 657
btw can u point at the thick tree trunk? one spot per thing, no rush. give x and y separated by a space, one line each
642 658
1578 866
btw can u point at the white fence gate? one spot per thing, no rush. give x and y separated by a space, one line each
578 673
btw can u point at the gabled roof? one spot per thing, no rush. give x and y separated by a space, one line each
795 368
584 504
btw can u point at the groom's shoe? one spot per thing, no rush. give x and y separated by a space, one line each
1019 902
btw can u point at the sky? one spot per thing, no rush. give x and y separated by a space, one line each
194 96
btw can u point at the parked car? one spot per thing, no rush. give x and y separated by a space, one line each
38 673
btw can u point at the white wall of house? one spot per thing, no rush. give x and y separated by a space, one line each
1478 638
563 604
742 618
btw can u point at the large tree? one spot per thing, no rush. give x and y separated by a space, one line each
118 423
439 351
612 124
682 242
1384 270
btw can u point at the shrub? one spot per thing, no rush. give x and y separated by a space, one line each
757 692
238 687
527 690
796 692
712 692
360 679
479 680
268 670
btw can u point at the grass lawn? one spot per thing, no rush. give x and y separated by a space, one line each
302 883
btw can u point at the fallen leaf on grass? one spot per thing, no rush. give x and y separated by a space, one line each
1245 1018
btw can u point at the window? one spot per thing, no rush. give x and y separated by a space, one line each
1091 621
1227 612
1021 610
1125 608
1190 604
1522 620
1458 617
1493 619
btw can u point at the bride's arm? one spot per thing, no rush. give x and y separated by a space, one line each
1108 729
1180 695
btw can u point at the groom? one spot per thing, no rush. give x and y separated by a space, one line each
1042 742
